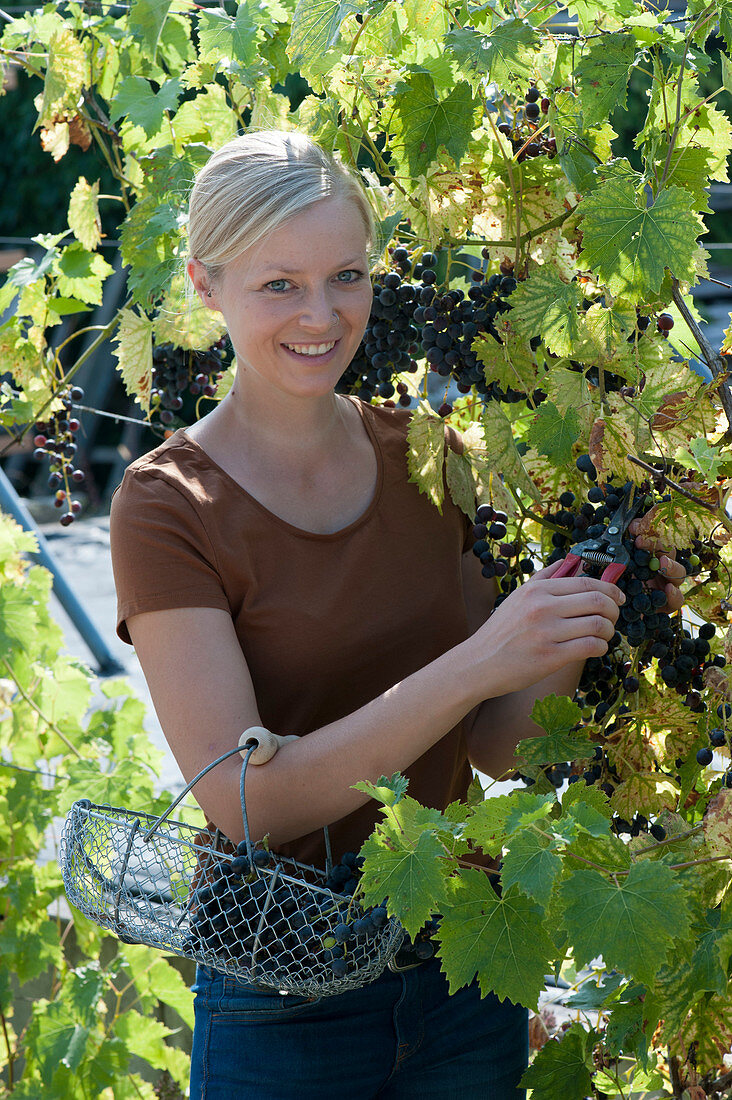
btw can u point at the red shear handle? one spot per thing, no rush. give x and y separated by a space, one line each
570 567
613 573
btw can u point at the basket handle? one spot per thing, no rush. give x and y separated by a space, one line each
267 743
256 744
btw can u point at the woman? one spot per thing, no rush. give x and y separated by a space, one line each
275 567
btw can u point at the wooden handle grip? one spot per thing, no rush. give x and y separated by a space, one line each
268 745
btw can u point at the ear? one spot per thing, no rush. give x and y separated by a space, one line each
202 283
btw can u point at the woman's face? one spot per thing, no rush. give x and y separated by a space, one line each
296 304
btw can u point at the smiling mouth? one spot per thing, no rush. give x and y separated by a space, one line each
311 349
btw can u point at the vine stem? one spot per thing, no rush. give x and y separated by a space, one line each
47 721
713 359
723 518
11 1056
669 840
706 16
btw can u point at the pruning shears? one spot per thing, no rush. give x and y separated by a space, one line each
608 550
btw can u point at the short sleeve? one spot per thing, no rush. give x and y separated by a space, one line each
161 555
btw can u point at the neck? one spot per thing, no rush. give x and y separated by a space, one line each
284 424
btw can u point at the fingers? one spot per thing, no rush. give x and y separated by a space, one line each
585 626
671 569
566 586
588 605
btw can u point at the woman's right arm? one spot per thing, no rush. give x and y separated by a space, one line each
204 699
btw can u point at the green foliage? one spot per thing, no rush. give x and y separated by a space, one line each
79 1039
599 233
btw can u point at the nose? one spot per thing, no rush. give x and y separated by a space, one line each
317 311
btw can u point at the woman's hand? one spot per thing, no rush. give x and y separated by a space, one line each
671 573
548 623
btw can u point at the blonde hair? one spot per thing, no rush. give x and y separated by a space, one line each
255 183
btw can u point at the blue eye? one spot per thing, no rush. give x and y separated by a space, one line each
279 286
349 276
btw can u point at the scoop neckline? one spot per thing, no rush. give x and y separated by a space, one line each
368 424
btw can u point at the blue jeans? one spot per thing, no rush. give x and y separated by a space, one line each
400 1038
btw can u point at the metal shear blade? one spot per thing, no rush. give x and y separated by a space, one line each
607 550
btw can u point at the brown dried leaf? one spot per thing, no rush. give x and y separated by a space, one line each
673 409
679 521
79 133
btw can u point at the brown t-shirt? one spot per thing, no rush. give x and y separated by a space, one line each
326 622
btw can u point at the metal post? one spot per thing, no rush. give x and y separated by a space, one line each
12 503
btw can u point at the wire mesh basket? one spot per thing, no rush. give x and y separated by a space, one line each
261 917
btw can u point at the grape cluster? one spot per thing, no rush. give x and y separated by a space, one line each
55 441
523 130
177 371
391 337
499 557
410 317
315 931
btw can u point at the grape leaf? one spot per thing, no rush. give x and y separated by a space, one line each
707 1030
563 1067
146 21
496 818
426 455
554 433
223 37
505 55
412 878
603 74
612 439
704 457
511 364
630 245
629 1030
545 305
501 452
67 74
316 27
387 791
568 389
81 274
459 475
718 824
60 1038
646 792
634 922
530 864
137 101
423 123
502 941
84 213
134 355
603 332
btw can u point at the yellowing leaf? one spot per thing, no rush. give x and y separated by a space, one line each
460 482
612 439
644 792
545 305
84 213
511 364
426 455
501 453
134 355
67 74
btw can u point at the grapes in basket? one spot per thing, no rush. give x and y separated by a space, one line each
264 916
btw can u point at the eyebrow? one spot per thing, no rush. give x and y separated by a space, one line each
351 262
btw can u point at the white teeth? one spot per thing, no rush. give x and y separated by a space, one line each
311 349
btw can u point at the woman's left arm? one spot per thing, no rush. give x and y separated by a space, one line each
494 728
